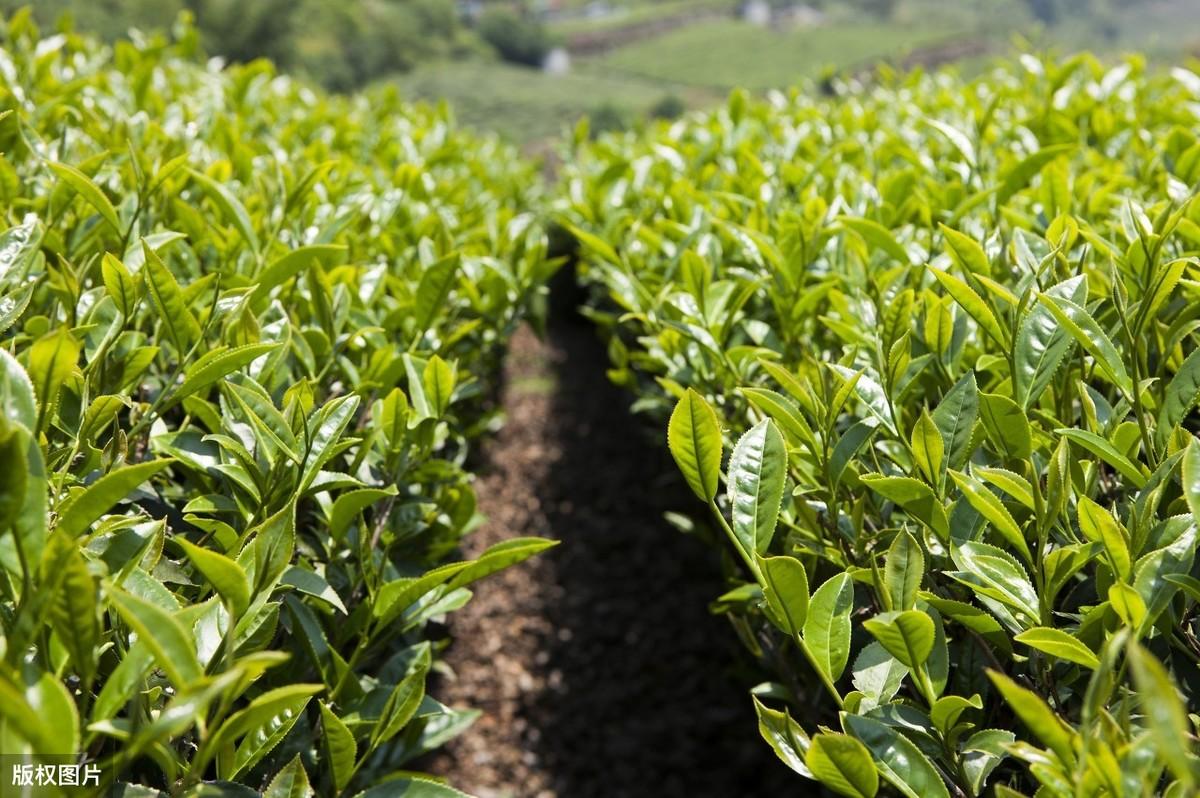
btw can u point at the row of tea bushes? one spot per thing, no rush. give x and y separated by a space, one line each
247 333
946 332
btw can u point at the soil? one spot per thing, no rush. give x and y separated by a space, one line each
599 669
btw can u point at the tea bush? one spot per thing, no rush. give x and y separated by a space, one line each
247 334
946 332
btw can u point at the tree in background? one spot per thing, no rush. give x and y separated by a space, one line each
243 31
517 37
339 43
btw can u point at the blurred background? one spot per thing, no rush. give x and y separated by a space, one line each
527 68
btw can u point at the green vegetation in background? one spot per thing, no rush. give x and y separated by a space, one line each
248 332
531 106
927 353
728 54
338 43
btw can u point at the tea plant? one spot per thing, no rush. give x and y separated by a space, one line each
247 333
928 350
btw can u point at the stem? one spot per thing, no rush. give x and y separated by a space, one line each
812 661
750 563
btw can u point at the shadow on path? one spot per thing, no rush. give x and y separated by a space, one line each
598 667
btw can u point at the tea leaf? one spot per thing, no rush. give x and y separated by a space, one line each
785 587
99 497
907 636
900 762
694 438
785 737
1059 644
164 635
827 627
339 747
903 571
1165 713
91 193
842 764
1037 716
757 468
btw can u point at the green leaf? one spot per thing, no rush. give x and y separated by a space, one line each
1151 571
74 614
39 711
339 747
929 448
783 412
1010 482
1048 727
1128 604
827 627
312 584
973 304
990 507
348 506
215 365
955 417
52 360
785 587
1180 397
23 490
173 311
438 381
17 398
966 252
900 762
1059 644
231 208
876 235
946 711
784 735
917 499
173 647
100 497
877 675
1023 172
981 753
1007 425
1098 525
843 764
996 574
290 782
1190 477
694 438
262 714
432 291
499 556
411 788
957 138
285 267
908 636
903 570
326 428
403 702
1165 713
1042 343
1088 334
119 284
1106 452
18 246
91 193
226 576
757 469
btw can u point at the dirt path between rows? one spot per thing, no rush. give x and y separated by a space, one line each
598 668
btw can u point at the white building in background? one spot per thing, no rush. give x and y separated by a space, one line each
557 62
757 12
